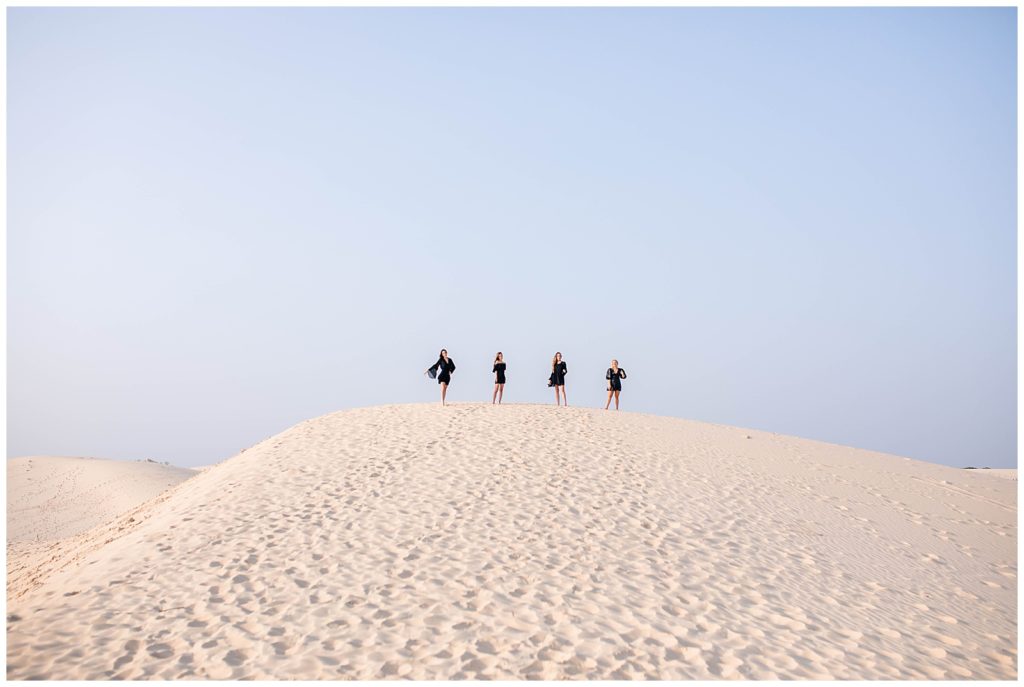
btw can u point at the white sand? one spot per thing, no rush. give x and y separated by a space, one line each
1004 473
534 541
54 497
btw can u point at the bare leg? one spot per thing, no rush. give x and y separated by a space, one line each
617 400
558 397
444 390
565 397
501 392
495 394
609 400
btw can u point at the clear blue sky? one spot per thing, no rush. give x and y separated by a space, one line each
224 221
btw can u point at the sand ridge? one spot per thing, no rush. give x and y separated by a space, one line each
51 500
532 541
53 497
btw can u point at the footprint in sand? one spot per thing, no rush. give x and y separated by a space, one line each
947 640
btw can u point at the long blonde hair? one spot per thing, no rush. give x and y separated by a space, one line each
498 358
554 361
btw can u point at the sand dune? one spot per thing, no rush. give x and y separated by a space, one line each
1004 473
51 498
478 541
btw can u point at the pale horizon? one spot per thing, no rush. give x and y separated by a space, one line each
222 222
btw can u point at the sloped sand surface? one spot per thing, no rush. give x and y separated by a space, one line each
532 541
1004 473
53 497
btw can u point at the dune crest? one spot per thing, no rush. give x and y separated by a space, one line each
477 541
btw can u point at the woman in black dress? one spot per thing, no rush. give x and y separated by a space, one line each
614 375
558 370
442 369
499 378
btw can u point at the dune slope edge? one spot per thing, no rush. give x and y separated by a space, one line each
532 541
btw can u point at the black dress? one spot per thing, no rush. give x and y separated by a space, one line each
445 369
499 369
558 374
613 379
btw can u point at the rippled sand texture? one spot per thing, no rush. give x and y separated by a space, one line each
480 541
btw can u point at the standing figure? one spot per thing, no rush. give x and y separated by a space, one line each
442 369
499 378
557 380
614 375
